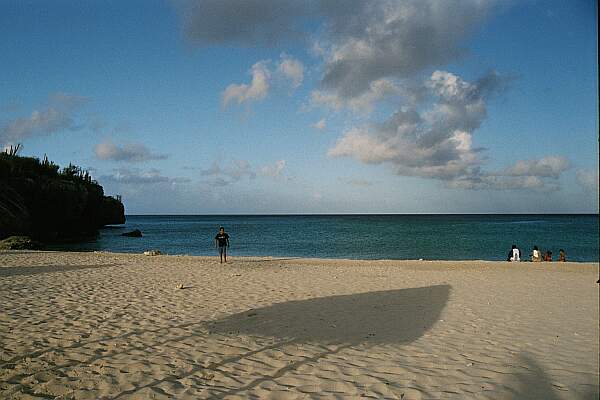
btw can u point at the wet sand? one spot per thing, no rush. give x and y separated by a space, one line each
105 325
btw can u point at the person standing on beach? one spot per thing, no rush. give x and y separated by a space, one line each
222 243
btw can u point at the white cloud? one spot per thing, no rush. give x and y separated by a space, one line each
57 116
434 142
241 168
218 175
319 97
448 86
274 170
588 179
320 124
378 90
288 68
222 176
130 152
537 174
549 166
500 182
127 176
363 146
291 69
256 90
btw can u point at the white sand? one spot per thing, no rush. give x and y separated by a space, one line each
101 325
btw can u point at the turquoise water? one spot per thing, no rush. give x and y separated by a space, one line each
431 237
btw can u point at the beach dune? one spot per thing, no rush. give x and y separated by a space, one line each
116 326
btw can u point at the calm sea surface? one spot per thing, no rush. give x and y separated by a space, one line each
431 237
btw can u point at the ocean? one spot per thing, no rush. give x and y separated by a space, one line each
428 237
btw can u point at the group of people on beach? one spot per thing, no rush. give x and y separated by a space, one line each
536 255
222 242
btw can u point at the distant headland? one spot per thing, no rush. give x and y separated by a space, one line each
47 204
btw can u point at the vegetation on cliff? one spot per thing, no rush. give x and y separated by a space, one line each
40 200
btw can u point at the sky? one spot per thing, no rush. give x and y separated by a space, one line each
318 106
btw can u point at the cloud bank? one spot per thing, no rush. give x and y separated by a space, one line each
244 23
57 116
136 177
130 152
588 180
369 41
361 41
365 102
374 51
274 170
218 175
433 143
549 166
433 138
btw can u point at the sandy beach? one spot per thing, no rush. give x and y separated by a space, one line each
117 326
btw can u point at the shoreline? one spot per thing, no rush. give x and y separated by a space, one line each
87 325
274 258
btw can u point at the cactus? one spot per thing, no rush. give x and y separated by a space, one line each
13 150
14 165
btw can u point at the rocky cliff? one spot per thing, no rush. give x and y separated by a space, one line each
39 201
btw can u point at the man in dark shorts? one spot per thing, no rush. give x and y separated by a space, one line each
222 242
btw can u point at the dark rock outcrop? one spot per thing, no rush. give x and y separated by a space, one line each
14 215
112 212
20 243
133 233
38 201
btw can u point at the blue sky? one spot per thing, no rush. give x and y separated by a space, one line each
193 107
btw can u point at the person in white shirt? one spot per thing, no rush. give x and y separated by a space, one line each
536 256
514 254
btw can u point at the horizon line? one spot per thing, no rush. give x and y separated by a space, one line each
343 214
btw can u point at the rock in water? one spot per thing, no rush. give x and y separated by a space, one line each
133 233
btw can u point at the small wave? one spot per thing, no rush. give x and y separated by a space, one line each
540 221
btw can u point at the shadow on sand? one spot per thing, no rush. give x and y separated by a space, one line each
27 271
533 383
392 316
335 322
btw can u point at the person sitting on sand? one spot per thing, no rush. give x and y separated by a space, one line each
562 256
514 254
548 256
536 256
222 242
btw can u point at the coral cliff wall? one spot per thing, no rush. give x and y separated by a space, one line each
38 201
